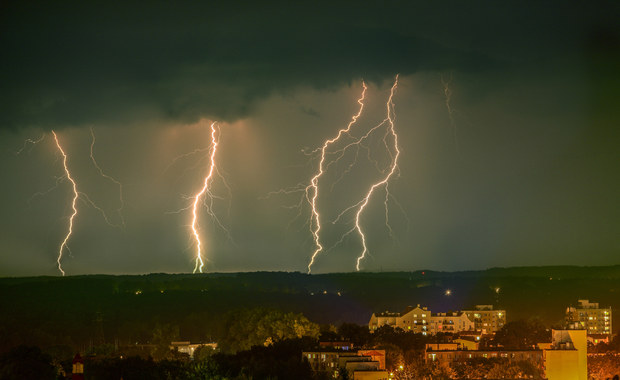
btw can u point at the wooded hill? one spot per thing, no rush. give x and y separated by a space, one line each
74 310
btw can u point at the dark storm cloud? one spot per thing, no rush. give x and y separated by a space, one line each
71 63
523 173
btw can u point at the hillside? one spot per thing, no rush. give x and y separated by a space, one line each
65 310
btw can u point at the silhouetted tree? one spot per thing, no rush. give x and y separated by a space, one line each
282 360
260 327
603 366
522 334
24 362
163 335
352 332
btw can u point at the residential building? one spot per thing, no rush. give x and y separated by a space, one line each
442 346
599 338
450 323
375 355
337 344
361 364
448 357
325 360
420 320
415 319
486 319
591 317
189 348
566 358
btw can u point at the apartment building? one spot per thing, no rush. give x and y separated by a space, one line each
486 319
421 320
589 316
360 364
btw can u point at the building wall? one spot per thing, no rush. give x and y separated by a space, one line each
416 320
450 322
562 365
381 319
446 357
321 360
487 319
371 375
375 355
421 320
467 344
590 316
568 355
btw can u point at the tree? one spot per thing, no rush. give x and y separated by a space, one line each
522 334
260 327
203 353
603 366
359 335
282 360
496 368
163 335
24 362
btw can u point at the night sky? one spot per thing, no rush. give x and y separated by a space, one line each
524 170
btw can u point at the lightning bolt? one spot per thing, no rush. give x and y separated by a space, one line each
119 210
206 190
448 96
64 245
385 181
185 155
315 225
327 156
31 142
